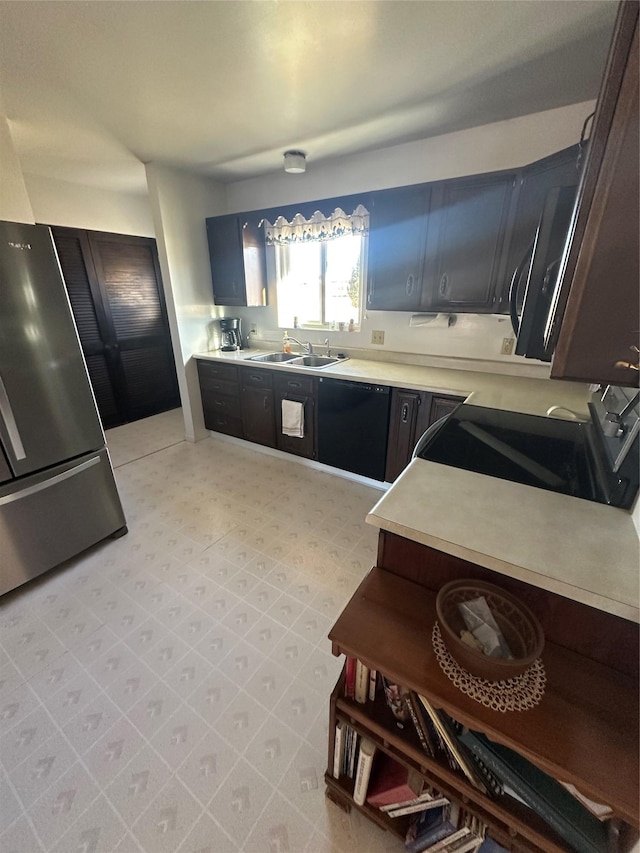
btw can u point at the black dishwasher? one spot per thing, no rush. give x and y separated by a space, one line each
353 424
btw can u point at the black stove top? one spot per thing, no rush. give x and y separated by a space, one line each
547 453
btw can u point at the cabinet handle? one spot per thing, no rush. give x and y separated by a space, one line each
234 287
444 283
629 365
294 384
255 378
409 285
405 413
265 403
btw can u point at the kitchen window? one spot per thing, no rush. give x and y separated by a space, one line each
319 267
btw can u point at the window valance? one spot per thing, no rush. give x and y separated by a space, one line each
318 227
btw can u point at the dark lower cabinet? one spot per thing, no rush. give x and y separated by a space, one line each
402 430
220 391
300 389
115 291
256 398
411 413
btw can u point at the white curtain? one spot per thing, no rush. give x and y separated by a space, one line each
318 227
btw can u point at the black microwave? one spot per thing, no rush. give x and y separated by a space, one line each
536 278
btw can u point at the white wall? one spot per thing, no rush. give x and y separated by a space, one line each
14 199
74 205
180 203
503 145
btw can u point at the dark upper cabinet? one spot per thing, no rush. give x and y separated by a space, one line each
467 226
599 333
397 236
534 183
237 256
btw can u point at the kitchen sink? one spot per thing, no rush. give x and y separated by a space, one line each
274 357
313 361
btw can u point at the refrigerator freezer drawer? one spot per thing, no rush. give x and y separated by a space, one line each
56 515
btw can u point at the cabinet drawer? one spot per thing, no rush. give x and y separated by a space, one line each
294 385
256 378
218 386
229 406
215 370
220 422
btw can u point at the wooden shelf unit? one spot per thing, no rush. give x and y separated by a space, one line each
583 731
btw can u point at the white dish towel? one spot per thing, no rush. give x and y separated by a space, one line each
293 418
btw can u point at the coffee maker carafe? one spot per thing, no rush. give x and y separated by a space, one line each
231 338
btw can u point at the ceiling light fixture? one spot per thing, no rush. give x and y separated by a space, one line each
295 162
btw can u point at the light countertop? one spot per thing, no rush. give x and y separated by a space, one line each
519 394
582 550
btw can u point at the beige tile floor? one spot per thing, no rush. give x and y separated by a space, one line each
168 691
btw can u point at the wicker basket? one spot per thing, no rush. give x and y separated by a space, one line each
520 628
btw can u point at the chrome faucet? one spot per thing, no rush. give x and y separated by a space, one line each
326 343
308 348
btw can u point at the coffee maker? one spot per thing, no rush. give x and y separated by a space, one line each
231 337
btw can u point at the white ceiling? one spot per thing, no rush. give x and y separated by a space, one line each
93 89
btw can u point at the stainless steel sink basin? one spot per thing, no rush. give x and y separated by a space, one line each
274 357
313 361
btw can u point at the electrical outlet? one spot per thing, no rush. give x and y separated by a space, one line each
377 337
254 328
507 346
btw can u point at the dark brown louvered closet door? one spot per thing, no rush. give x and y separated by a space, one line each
115 291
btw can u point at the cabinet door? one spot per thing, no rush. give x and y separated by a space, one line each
237 257
467 226
397 237
402 430
300 389
535 181
258 416
225 255
434 407
599 336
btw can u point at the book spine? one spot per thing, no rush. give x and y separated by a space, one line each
373 680
365 760
422 734
361 688
444 844
350 677
422 806
353 753
337 749
422 798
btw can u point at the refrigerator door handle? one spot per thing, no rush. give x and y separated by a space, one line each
52 481
12 427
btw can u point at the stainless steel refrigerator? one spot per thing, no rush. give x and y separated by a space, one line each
57 490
